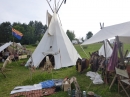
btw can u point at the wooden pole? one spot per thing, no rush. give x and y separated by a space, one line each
109 43
55 4
60 6
13 48
119 49
112 81
121 56
50 5
105 49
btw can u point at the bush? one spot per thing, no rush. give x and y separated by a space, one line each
35 45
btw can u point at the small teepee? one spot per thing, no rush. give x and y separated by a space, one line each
55 44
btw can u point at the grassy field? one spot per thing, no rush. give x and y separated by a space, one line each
18 75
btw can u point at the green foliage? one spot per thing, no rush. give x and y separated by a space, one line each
38 78
82 39
32 32
5 29
21 76
35 45
87 48
89 35
70 34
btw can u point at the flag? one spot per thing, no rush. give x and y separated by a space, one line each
16 33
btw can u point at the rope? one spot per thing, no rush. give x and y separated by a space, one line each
84 51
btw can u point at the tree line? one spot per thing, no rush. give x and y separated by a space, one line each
32 32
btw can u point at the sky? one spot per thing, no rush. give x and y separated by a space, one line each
79 16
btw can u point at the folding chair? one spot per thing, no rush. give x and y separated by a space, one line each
123 77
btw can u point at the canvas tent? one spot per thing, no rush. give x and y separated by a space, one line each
106 50
10 46
5 46
62 49
122 30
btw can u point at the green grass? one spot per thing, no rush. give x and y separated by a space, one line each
20 75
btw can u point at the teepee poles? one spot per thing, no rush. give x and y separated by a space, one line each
50 5
60 5
56 5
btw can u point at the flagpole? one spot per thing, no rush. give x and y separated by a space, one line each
13 47
13 40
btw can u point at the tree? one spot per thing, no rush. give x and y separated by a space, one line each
70 34
32 32
5 29
82 39
89 35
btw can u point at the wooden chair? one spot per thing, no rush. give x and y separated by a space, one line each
123 78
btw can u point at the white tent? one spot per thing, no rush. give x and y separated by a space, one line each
112 41
122 30
128 56
106 50
9 44
60 42
5 46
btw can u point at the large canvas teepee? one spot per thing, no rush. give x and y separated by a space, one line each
55 42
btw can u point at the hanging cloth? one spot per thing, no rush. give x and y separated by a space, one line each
113 59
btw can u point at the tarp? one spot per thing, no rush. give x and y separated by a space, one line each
9 44
122 30
5 46
95 77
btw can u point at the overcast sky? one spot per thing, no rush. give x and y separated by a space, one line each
79 16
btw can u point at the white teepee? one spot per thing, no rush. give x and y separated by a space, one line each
62 49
